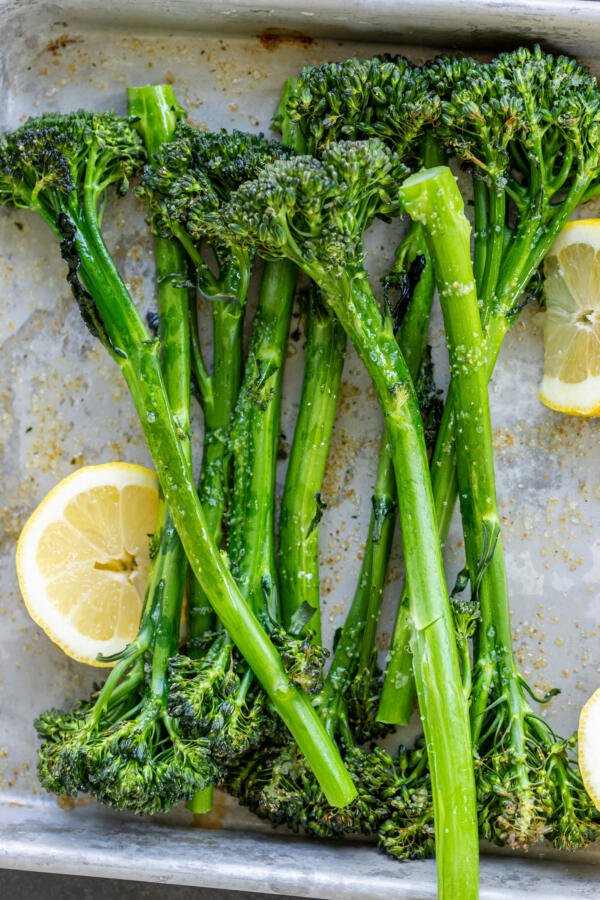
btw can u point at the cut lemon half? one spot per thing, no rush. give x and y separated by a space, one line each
83 558
589 747
571 381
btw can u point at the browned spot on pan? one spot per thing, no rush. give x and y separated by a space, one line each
273 38
54 47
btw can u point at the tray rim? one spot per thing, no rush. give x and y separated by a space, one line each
565 24
257 862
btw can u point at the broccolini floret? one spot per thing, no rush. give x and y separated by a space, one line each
386 98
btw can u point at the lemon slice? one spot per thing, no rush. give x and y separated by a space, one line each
83 558
571 382
589 747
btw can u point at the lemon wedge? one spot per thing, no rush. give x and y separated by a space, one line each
571 381
589 747
83 558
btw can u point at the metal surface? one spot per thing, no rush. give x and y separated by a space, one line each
62 405
94 842
568 24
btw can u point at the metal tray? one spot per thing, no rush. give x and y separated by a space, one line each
62 404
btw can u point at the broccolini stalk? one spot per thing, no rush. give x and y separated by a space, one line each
61 166
314 212
157 112
255 442
302 504
413 275
528 786
218 392
123 747
434 650
526 127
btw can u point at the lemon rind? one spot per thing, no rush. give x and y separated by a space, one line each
581 398
588 740
584 231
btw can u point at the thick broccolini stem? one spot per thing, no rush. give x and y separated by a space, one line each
255 441
355 647
412 339
138 359
218 394
302 506
432 197
166 626
444 712
157 112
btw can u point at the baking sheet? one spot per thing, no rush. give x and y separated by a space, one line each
63 404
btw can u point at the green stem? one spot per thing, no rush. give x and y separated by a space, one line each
199 369
174 331
215 472
202 802
355 645
435 656
354 648
218 394
291 134
431 197
138 360
434 198
525 255
344 663
171 565
495 241
301 505
412 339
255 441
158 112
480 202
377 554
